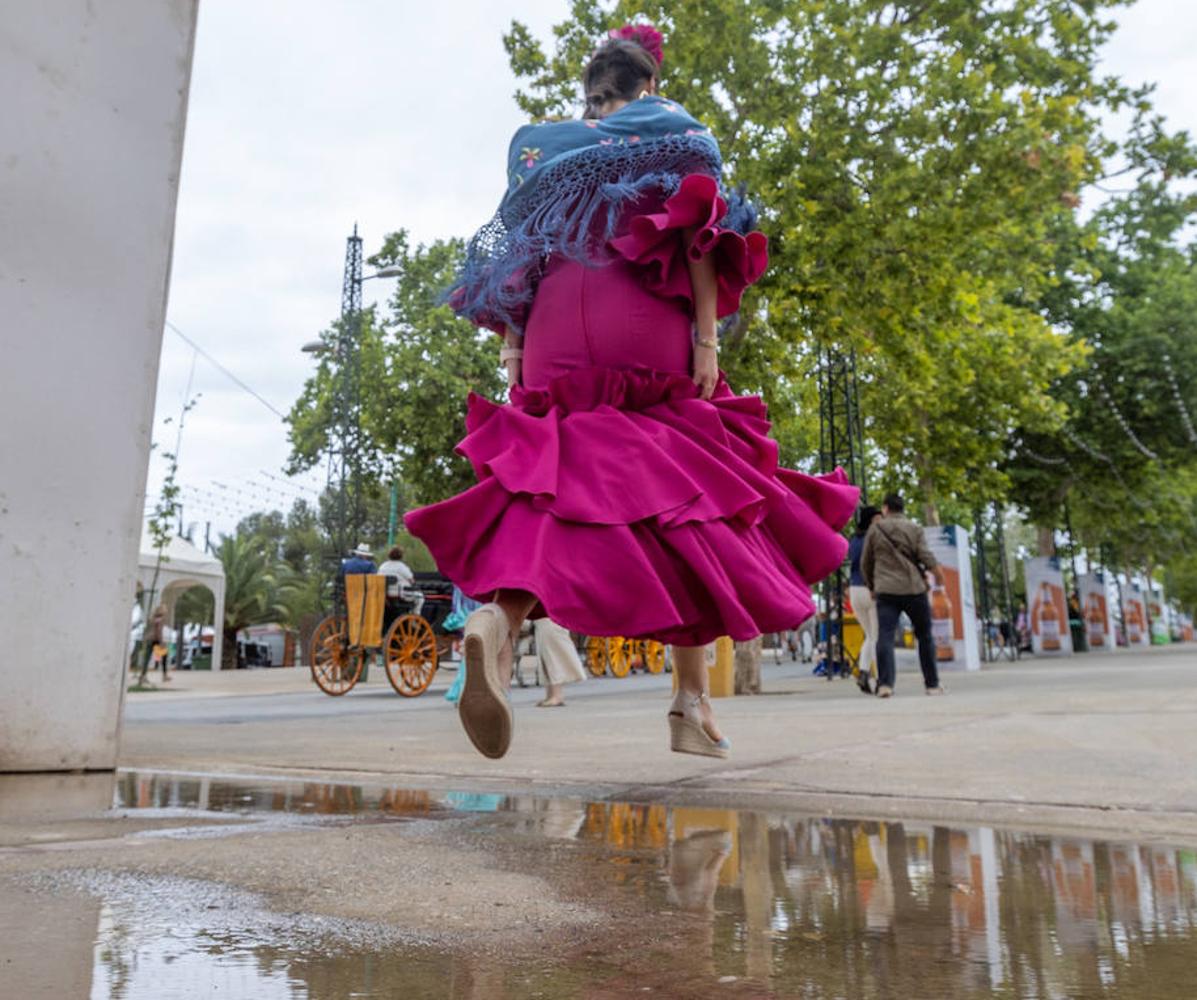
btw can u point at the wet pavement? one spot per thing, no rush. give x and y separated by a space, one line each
499 896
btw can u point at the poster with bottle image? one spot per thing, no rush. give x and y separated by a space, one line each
1096 611
1157 615
1049 612
953 607
1134 610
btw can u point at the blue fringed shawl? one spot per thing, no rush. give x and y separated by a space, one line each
567 185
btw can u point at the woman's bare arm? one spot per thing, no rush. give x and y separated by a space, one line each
514 365
706 352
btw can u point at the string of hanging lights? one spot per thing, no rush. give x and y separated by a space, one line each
1120 419
1185 419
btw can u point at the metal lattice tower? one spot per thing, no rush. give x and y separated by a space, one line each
841 444
345 438
994 596
841 433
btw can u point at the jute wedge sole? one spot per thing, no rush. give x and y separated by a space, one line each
483 707
686 732
689 737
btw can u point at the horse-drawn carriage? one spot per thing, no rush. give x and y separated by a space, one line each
405 629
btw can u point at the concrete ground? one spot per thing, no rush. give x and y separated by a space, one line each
1100 743
354 877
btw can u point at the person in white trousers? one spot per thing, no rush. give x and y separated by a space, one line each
861 598
559 661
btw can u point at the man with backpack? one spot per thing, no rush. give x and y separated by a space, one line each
895 562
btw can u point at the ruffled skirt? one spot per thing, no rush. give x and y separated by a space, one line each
629 506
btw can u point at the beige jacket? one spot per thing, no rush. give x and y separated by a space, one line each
882 563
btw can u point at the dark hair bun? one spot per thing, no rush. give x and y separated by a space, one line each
618 70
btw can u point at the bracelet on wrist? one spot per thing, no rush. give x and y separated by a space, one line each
710 342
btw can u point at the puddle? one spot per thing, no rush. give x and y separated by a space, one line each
707 902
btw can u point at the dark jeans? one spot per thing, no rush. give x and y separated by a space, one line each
918 610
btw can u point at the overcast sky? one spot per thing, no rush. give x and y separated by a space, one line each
305 118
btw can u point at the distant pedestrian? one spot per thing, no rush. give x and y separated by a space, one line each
861 598
1023 628
404 586
157 639
360 560
559 661
136 630
895 562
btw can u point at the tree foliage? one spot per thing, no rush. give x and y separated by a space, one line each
911 159
252 575
1128 290
925 171
418 364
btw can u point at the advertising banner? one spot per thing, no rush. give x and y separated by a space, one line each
1134 606
1186 627
953 606
1095 611
1049 613
1157 615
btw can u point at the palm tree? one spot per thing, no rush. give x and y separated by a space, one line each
251 581
302 599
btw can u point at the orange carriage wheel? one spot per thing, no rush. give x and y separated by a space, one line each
596 655
652 655
619 655
410 652
335 666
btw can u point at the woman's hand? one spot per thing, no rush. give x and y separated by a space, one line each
706 370
515 373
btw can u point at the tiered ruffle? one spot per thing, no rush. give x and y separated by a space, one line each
656 241
629 506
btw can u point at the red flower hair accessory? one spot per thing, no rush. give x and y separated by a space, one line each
644 35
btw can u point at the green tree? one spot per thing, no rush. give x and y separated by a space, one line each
269 527
1128 290
251 584
419 363
910 158
433 362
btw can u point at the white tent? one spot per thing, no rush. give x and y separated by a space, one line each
183 567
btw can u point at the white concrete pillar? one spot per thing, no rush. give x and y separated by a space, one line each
95 98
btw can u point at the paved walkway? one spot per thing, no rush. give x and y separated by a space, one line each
1101 743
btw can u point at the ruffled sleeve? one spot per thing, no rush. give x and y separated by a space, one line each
655 240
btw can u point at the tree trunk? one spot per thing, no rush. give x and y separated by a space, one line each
1046 542
306 627
228 647
927 486
748 666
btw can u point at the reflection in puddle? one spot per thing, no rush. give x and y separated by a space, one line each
730 904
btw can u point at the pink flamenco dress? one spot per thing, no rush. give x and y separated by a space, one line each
607 488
